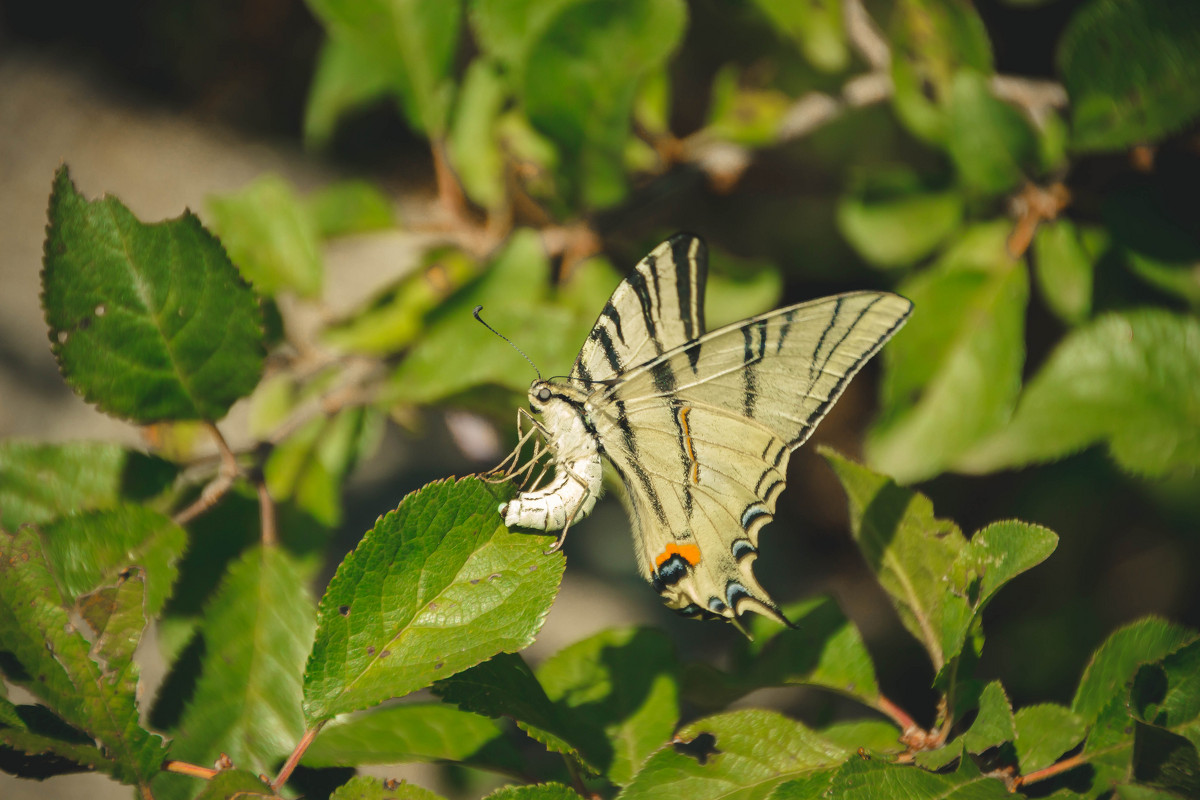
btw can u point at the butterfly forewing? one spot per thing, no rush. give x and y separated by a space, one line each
659 307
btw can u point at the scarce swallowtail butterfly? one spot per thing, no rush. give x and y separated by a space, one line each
700 425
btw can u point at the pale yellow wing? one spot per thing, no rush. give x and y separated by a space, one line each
702 436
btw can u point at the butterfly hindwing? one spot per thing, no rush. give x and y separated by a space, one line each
659 307
702 436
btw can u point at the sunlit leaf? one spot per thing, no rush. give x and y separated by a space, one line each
436 587
1044 733
541 791
348 207
149 322
474 148
1065 256
991 143
1126 379
815 25
347 77
891 220
365 787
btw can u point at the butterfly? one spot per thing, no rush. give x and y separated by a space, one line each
700 425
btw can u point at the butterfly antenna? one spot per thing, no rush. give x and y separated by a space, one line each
479 319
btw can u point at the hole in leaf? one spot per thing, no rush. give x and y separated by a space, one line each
701 748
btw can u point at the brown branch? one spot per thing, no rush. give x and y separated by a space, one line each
1065 765
865 36
289 766
191 770
216 489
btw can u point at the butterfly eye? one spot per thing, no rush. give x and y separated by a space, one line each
543 394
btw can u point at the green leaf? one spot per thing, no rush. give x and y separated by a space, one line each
1127 379
39 482
349 207
398 317
515 294
347 77
580 81
743 754
149 322
619 688
35 730
910 552
738 288
413 732
541 791
891 220
506 29
743 113
270 236
1044 733
1002 551
413 44
365 787
1065 257
309 466
993 726
872 735
815 25
1116 661
1166 760
861 779
953 374
1180 704
991 143
257 630
931 41
91 549
436 587
1130 71
823 649
473 145
504 686
91 686
235 784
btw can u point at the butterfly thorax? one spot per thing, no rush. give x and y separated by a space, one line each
573 492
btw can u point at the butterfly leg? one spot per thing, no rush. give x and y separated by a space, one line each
507 469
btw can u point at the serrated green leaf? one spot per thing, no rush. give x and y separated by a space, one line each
991 143
743 754
149 322
1044 733
619 688
96 697
116 615
437 586
472 144
348 207
993 726
931 41
504 686
871 735
270 236
1064 257
891 220
39 481
257 631
861 779
910 552
347 77
815 25
515 294
90 549
235 784
1130 71
1002 551
365 787
1127 379
413 732
953 374
541 791
413 44
580 82
35 730
1115 662
1165 760
1179 707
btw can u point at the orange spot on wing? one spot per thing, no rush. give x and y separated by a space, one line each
688 552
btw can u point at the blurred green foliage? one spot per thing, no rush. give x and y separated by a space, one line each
1040 226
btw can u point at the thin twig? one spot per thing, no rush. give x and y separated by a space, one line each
216 488
266 514
897 715
289 766
1065 765
192 770
865 35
